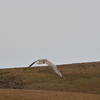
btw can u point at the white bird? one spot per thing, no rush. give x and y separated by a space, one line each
49 63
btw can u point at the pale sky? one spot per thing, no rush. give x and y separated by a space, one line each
63 31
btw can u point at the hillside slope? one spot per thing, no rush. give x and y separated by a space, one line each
84 77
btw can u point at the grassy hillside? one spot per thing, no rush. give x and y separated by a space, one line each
84 77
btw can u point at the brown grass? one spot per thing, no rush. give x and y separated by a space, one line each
17 94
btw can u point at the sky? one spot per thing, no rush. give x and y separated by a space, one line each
63 31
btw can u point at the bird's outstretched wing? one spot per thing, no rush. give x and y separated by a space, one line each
32 64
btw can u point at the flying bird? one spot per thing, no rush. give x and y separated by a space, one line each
49 63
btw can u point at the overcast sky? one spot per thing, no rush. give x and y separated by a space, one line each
63 31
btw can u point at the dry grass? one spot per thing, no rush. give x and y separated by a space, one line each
17 94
